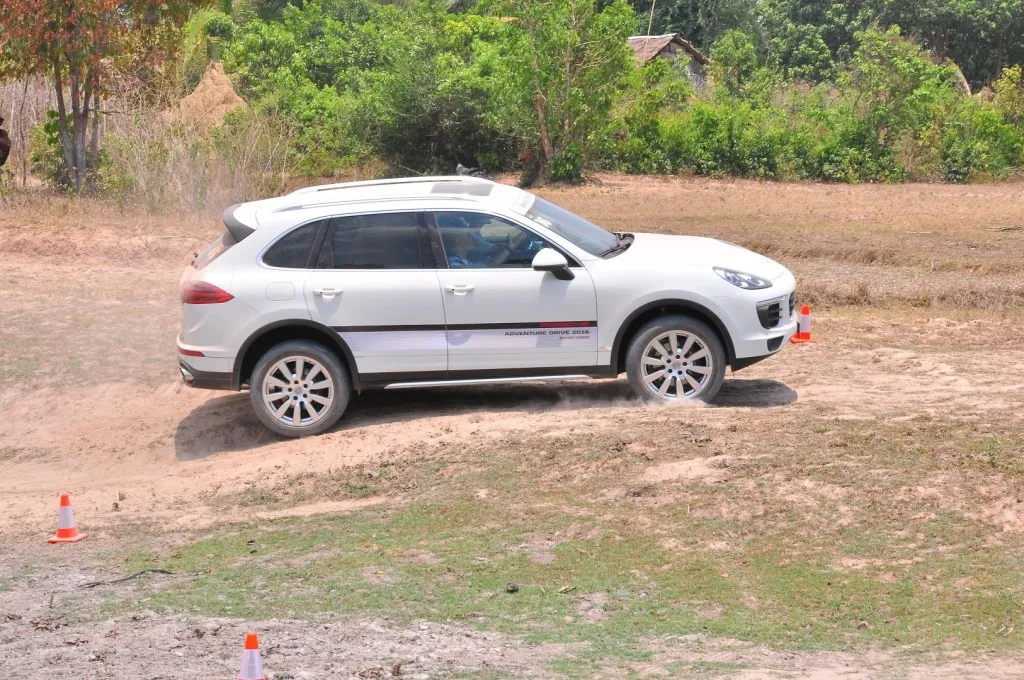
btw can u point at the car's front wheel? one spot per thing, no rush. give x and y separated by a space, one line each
674 358
299 388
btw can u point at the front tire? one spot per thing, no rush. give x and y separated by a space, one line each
299 388
675 358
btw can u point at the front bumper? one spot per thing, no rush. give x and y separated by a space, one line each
762 325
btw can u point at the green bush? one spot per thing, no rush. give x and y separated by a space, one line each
893 114
46 154
424 84
978 143
413 86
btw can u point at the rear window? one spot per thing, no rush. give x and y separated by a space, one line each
214 250
380 241
293 250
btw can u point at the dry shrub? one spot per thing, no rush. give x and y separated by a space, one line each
23 103
860 294
165 163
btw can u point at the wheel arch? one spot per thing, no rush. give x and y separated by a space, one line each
290 329
652 310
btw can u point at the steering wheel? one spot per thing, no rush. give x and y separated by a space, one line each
500 256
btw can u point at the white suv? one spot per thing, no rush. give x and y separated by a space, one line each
458 280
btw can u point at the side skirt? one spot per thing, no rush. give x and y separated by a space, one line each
481 377
482 381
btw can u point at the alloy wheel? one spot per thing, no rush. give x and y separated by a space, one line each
676 365
298 391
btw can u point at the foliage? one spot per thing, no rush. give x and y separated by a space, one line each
703 22
978 142
1009 96
565 57
203 40
794 89
809 39
737 69
74 41
46 154
413 87
892 114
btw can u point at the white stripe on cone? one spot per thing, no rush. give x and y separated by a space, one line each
252 665
65 518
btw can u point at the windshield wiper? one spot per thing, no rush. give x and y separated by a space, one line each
621 243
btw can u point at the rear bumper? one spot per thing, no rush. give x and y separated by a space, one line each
198 369
207 380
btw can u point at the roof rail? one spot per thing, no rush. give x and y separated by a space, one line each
378 199
379 182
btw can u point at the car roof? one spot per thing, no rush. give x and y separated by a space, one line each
354 197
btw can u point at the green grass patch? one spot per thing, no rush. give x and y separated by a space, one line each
796 549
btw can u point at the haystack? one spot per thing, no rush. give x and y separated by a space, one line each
213 98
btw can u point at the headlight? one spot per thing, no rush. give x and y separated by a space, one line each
743 280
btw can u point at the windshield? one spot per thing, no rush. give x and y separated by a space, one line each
572 227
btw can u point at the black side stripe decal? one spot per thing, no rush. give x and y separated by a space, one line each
374 329
467 326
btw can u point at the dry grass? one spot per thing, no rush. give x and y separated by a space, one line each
164 162
878 245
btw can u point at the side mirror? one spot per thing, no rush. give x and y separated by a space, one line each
550 260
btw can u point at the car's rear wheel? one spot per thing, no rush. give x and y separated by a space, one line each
675 358
299 388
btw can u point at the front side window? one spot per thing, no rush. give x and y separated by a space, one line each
479 241
381 241
572 227
292 251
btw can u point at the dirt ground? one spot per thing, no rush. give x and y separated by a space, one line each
908 410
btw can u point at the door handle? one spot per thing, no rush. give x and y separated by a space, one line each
460 288
327 293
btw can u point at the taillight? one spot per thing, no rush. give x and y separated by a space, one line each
203 293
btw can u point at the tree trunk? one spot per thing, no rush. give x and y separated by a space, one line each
75 83
62 119
542 125
94 143
545 138
21 134
81 131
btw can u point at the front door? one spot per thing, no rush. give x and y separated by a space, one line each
376 285
503 316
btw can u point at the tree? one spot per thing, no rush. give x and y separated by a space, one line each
701 22
77 43
565 60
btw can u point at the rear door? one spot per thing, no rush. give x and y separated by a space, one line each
502 316
375 283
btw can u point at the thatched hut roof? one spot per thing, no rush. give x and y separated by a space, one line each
648 47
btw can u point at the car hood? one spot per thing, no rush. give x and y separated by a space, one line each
697 251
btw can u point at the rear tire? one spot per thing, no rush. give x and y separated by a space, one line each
299 388
675 358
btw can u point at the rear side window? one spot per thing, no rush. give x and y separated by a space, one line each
214 250
294 249
382 241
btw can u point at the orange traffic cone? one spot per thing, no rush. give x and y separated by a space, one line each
67 532
803 327
252 665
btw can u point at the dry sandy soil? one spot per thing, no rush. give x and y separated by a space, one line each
918 293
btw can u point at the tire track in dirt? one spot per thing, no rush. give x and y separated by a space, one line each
172 450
